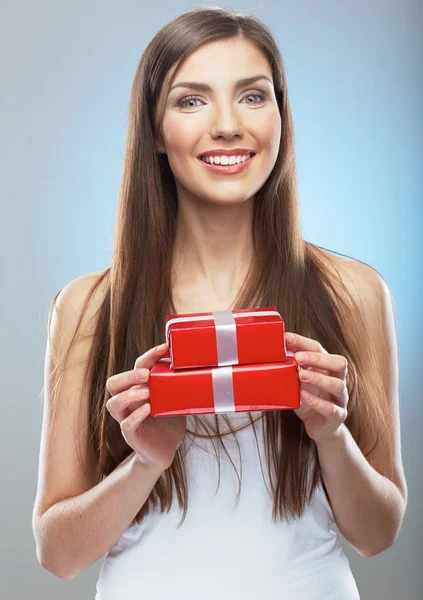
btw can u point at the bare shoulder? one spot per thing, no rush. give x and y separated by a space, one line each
362 280
373 299
80 300
77 291
87 280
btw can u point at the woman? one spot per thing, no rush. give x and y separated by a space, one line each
194 237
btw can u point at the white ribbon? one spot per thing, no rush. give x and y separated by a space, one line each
223 390
227 347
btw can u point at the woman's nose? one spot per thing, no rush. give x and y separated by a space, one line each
226 123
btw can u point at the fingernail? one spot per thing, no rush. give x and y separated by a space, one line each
161 347
143 392
141 374
306 375
290 337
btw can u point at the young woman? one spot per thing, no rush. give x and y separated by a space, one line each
156 495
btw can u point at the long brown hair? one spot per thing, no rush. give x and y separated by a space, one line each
289 273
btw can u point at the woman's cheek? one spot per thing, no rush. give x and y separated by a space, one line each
173 134
269 131
183 134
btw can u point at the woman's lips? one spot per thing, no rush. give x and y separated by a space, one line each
227 169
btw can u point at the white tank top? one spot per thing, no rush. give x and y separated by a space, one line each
225 551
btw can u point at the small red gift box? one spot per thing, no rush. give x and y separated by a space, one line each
224 338
237 388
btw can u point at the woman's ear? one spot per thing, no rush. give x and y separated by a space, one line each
159 147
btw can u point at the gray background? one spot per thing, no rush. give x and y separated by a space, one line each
355 81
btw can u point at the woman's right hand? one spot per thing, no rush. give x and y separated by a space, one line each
154 439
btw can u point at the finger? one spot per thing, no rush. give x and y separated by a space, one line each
329 362
299 342
333 385
123 404
131 423
303 411
324 407
149 358
122 381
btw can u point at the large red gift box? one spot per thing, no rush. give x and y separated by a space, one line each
237 388
223 338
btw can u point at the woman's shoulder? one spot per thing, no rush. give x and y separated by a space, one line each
359 277
82 297
365 286
77 289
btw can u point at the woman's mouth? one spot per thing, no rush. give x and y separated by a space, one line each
228 169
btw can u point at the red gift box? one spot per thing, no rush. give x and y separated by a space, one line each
224 338
237 388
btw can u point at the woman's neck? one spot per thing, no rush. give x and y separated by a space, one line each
213 249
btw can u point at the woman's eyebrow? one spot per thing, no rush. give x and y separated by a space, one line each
204 87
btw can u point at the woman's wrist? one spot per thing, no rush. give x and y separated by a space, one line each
337 439
141 465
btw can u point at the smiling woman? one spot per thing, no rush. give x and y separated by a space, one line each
208 220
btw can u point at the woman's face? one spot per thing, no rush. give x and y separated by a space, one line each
225 117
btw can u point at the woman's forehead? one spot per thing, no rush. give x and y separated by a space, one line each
232 56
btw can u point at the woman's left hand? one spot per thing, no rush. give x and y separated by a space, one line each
324 397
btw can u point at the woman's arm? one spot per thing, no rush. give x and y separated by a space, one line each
368 495
368 507
75 532
75 518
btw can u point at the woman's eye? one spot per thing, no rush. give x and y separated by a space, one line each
182 102
257 94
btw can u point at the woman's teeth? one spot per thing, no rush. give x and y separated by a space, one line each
225 160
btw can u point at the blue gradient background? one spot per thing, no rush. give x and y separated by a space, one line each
355 82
